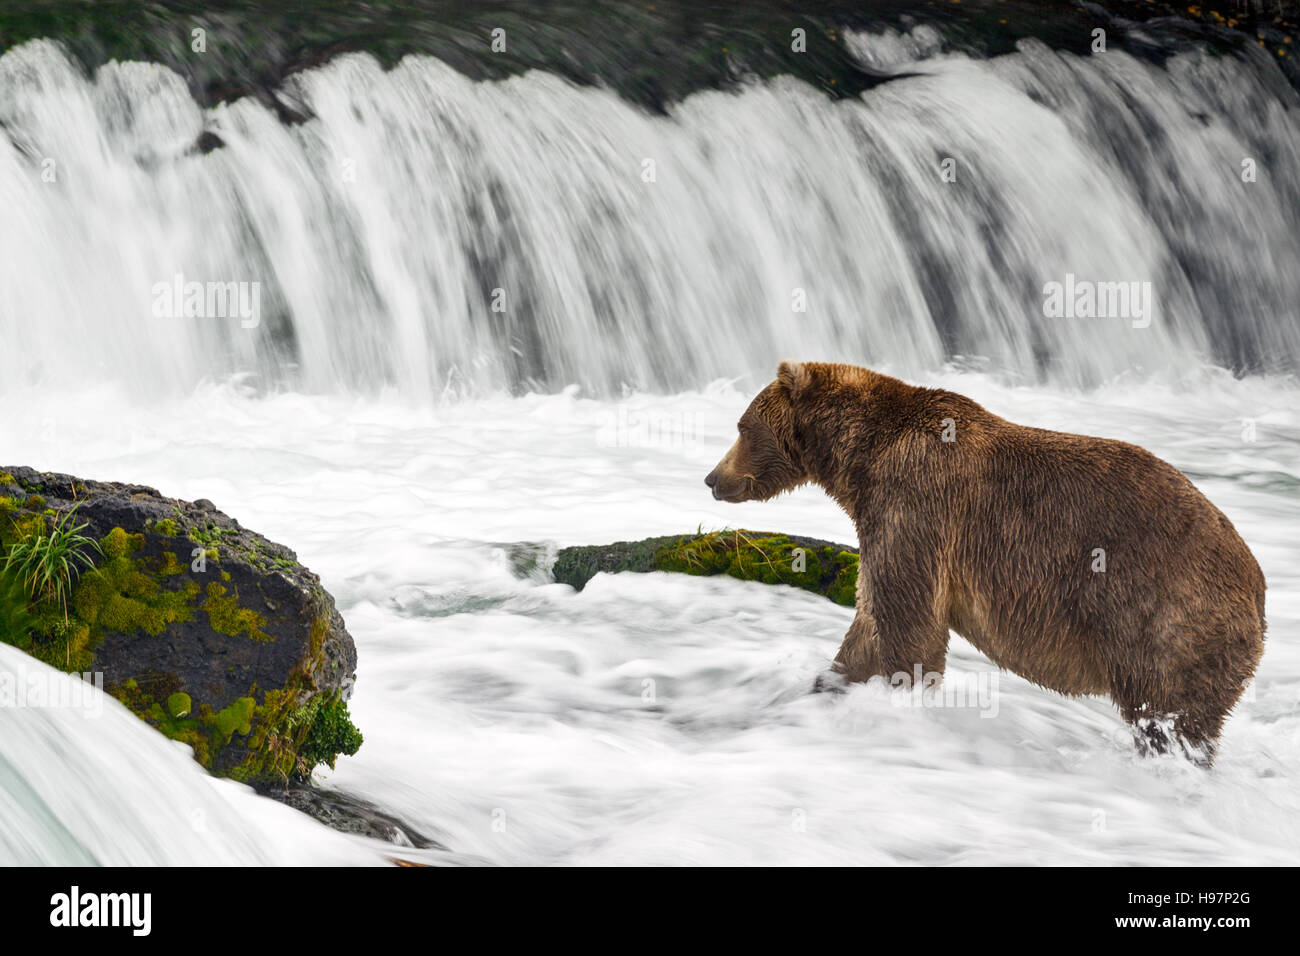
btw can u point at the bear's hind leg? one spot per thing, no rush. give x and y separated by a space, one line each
1198 735
1156 733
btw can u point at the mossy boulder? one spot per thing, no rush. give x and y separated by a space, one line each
208 631
819 566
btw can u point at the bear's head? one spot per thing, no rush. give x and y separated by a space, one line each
765 459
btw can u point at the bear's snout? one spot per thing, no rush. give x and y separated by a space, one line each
723 485
715 486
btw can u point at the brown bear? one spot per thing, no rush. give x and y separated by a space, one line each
1086 565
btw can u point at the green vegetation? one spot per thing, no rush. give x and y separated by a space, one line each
46 562
164 526
118 544
210 536
122 595
175 717
235 719
16 619
818 566
225 616
771 559
330 732
283 738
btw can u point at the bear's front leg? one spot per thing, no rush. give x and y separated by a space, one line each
859 656
897 629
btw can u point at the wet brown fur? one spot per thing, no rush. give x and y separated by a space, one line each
993 535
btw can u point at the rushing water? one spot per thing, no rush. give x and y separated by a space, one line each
397 432
83 782
426 232
512 720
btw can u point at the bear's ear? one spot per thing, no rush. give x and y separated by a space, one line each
795 376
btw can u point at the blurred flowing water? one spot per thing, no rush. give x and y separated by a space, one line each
383 420
83 782
424 232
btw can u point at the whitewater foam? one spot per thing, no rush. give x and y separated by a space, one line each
667 719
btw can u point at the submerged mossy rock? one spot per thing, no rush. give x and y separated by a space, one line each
819 566
208 631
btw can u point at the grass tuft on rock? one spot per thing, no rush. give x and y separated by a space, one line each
819 566
768 558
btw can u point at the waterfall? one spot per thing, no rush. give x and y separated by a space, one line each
424 233
83 782
277 302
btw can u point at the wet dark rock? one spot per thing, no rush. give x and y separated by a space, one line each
811 564
210 632
349 814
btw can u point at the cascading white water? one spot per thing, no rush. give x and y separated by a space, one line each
384 228
83 781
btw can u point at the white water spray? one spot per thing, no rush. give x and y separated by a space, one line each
424 231
90 784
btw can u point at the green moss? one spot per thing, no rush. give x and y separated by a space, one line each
288 739
34 503
8 503
844 589
118 544
577 565
192 734
704 555
174 718
235 719
6 478
19 526
63 643
771 559
225 616
125 595
210 536
188 730
17 623
290 732
206 732
291 735
272 744
120 596
164 526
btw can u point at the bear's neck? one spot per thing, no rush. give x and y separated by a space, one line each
841 437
